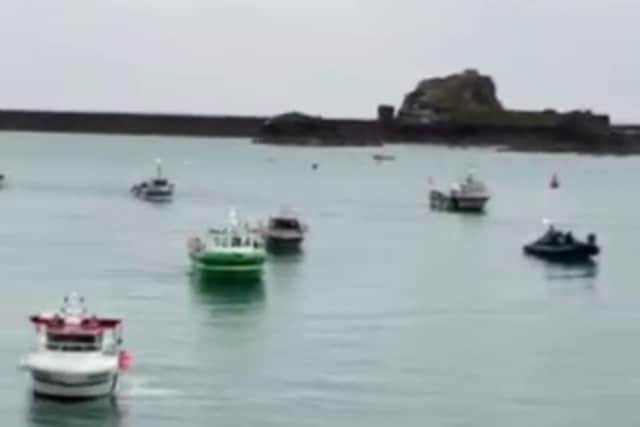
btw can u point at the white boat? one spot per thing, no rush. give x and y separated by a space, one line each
76 355
469 195
155 189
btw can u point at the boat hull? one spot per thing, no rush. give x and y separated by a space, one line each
153 195
578 253
228 266
66 387
157 198
470 204
284 246
442 201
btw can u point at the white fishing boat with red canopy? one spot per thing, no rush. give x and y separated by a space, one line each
77 355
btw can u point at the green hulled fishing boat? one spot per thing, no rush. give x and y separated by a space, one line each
233 252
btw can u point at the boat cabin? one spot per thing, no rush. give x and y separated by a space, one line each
285 223
555 237
234 239
87 334
74 341
154 183
159 182
472 185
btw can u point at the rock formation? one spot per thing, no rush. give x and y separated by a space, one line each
299 128
468 101
440 96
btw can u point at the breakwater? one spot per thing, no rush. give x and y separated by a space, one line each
295 128
351 130
130 123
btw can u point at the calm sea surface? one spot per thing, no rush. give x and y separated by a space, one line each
394 315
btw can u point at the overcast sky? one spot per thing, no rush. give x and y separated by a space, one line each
329 57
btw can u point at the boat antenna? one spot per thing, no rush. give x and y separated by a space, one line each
73 304
159 167
233 217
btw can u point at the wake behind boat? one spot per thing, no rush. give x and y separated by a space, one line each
155 189
233 252
77 355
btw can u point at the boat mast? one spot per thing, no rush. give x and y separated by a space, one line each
233 217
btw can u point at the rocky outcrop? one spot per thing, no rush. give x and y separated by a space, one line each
467 103
294 123
297 128
436 98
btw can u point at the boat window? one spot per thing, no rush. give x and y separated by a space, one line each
160 181
285 223
73 342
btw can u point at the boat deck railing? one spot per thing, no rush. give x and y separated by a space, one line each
227 241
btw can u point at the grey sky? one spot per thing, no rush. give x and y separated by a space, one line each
330 57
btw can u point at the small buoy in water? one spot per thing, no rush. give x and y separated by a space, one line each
555 183
314 166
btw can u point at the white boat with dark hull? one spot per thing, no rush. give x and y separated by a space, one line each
470 195
77 356
155 189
